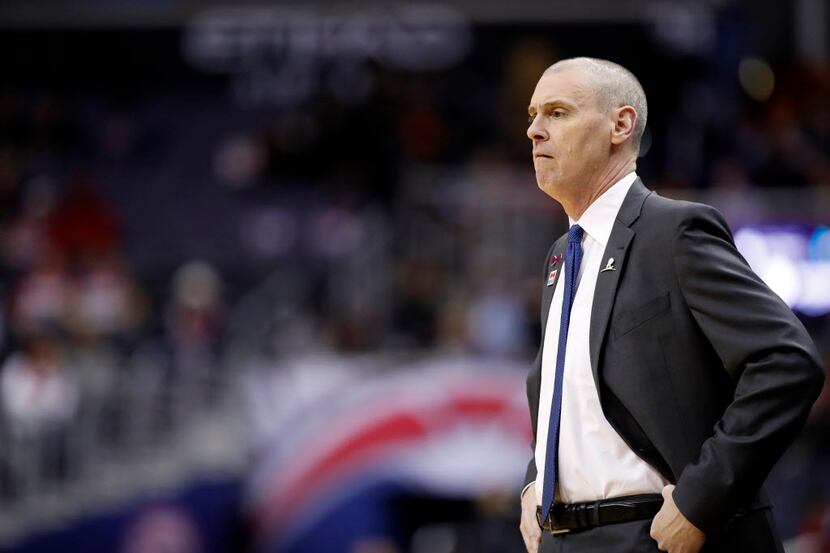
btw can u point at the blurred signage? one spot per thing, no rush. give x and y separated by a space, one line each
326 428
282 56
794 261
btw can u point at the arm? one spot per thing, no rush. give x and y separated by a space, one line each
529 525
766 351
530 472
534 381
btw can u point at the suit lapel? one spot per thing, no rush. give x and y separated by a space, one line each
608 281
547 296
535 375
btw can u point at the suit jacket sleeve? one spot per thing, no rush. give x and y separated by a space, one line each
533 386
766 351
530 473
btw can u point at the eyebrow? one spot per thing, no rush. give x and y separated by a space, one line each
551 103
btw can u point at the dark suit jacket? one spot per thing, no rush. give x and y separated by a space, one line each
702 370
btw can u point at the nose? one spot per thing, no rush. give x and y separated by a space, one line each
536 132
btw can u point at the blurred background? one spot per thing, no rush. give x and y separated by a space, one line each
270 273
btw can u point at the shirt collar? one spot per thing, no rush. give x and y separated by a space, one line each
598 220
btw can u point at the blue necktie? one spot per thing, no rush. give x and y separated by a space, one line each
573 257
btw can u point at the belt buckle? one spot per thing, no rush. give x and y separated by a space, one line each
542 523
545 526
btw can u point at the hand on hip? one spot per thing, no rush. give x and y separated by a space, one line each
531 533
672 531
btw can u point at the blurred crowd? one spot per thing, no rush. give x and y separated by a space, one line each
81 332
137 235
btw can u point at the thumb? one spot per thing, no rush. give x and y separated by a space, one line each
667 491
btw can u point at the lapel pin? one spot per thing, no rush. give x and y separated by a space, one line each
609 266
554 260
552 277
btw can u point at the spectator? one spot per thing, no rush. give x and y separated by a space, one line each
107 303
37 392
196 312
41 298
84 222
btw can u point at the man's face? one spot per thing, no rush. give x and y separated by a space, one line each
571 136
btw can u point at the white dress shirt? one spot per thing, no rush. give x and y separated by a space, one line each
594 462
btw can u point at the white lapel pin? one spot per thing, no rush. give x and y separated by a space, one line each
609 266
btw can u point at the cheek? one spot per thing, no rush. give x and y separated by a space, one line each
578 148
568 141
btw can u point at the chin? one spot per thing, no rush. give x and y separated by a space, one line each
547 187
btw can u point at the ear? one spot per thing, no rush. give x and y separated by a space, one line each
625 118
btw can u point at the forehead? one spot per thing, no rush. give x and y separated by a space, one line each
574 86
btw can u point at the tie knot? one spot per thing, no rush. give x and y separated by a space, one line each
575 234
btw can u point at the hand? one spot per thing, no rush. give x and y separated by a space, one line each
529 526
672 531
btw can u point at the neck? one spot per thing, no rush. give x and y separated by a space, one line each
597 186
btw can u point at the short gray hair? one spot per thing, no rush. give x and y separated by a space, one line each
615 86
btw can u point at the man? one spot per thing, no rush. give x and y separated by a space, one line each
670 378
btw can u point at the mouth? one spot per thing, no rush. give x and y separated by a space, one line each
543 156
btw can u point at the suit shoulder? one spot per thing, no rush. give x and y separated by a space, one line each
662 204
680 212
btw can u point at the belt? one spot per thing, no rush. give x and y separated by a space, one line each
565 517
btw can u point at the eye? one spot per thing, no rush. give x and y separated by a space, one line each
558 114
530 119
